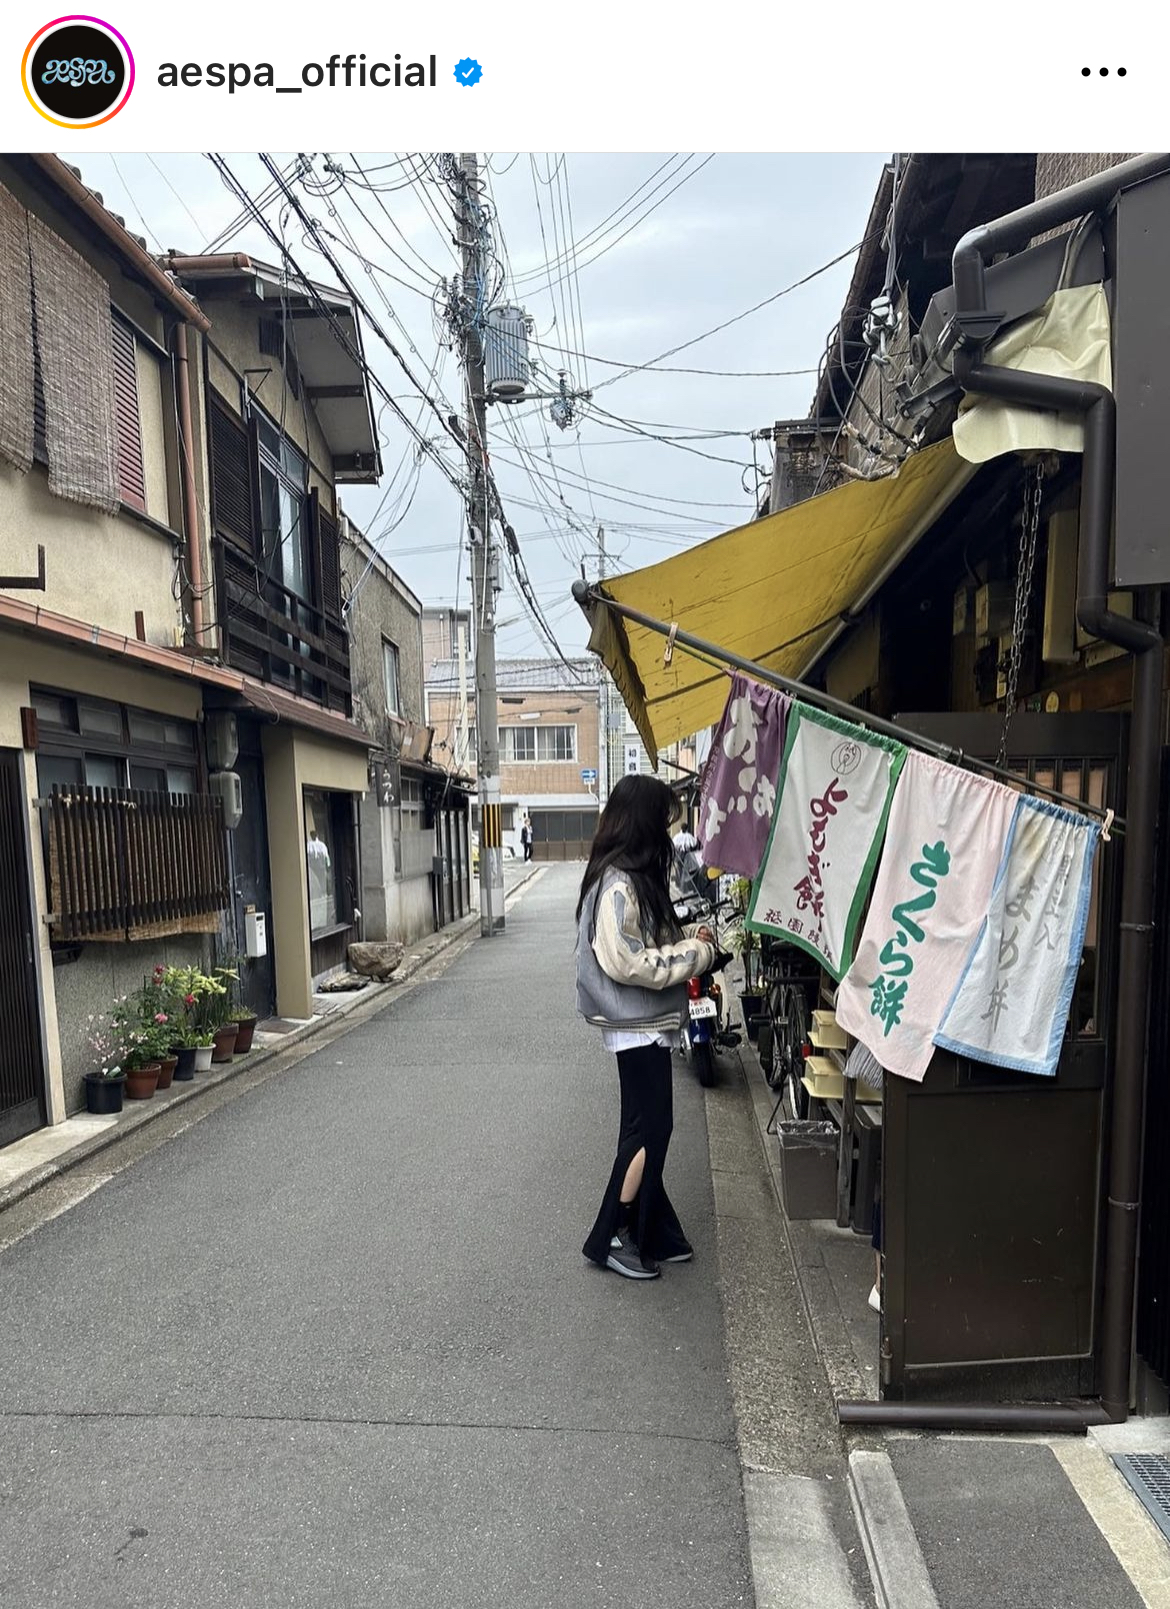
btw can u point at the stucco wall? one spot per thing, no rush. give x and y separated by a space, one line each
89 557
71 991
235 336
294 761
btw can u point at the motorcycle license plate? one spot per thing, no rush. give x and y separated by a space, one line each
702 1008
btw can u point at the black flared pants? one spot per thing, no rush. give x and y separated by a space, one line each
647 1120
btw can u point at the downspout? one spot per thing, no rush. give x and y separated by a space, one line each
187 470
1143 638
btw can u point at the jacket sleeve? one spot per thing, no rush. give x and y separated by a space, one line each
623 954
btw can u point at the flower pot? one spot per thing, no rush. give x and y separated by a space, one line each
752 1005
247 1028
203 1055
104 1095
166 1070
225 1042
186 1062
142 1082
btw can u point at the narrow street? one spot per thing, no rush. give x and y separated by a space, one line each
337 1342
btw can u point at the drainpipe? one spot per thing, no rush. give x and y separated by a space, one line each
187 470
1143 638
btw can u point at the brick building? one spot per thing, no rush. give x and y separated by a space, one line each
549 723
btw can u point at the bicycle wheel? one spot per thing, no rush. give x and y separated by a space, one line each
798 1035
766 1050
703 1057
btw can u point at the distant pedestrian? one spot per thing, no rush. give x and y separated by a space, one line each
633 964
526 838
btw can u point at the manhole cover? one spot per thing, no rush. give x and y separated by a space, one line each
1149 1475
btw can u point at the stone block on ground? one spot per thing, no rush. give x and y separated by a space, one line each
375 960
344 983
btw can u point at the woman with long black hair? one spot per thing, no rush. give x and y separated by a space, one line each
633 964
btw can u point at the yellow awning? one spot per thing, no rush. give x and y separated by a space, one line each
772 591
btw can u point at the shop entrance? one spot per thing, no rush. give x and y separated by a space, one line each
22 1078
993 1189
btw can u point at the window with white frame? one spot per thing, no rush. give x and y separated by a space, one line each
556 742
517 744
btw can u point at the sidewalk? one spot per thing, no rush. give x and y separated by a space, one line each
969 1522
44 1156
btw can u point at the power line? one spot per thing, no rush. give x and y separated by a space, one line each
323 309
738 317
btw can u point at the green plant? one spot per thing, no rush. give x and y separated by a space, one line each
200 1000
237 1010
744 943
142 1034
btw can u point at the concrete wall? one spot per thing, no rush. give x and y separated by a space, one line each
295 760
393 907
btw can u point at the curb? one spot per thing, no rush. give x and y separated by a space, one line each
139 1116
897 1569
896 1566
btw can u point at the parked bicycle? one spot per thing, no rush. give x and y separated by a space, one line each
789 983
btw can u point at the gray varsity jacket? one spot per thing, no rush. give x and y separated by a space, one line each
623 980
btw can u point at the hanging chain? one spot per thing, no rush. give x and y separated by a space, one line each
1029 534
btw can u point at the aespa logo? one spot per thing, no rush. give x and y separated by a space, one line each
78 72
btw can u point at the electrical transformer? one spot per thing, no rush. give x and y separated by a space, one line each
505 355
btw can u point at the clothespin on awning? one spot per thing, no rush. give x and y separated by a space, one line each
668 653
1105 835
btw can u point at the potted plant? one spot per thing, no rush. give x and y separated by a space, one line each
142 1042
224 1029
104 1087
243 1016
246 1024
745 944
185 1046
194 995
159 1006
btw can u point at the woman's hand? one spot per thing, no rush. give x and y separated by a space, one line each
706 935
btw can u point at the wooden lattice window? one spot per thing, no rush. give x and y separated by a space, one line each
130 863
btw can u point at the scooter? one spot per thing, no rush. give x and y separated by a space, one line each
705 1027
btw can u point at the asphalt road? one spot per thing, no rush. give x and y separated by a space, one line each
336 1343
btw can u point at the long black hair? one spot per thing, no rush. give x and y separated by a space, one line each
633 837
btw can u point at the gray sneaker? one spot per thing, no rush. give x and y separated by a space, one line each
625 1258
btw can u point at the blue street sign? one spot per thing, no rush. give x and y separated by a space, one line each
588 776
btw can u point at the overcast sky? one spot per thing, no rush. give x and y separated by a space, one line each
667 248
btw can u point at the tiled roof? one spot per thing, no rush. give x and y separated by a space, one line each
520 675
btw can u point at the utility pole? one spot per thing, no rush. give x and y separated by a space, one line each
611 772
483 565
461 745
